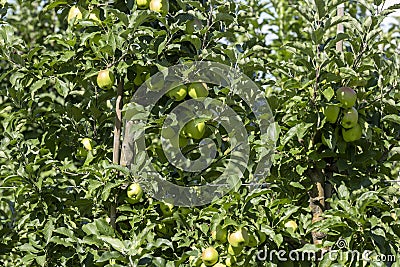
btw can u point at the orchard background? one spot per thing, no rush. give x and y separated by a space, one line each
58 195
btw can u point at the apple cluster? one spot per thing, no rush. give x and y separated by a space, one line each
195 128
237 240
75 14
160 6
348 114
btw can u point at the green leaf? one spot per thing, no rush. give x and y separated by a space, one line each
394 154
320 4
48 230
122 16
298 130
343 192
109 255
392 118
61 87
328 93
54 4
278 239
114 242
36 86
90 229
104 228
41 260
65 231
61 241
28 248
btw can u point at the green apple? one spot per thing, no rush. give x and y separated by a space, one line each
252 240
195 129
87 143
138 80
346 96
105 79
239 238
134 193
350 118
219 234
160 6
74 14
166 208
183 141
209 256
291 224
178 93
352 134
331 113
196 90
142 4
219 265
234 251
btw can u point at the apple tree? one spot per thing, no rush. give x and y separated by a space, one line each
70 68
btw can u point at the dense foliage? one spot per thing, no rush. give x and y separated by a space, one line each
56 194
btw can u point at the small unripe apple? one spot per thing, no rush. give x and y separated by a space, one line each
142 4
291 224
234 251
183 141
219 234
105 79
350 118
331 113
209 256
87 143
252 241
74 13
178 93
160 6
134 193
239 238
195 129
219 265
166 208
346 96
352 134
196 90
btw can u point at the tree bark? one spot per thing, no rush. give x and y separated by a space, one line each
117 144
